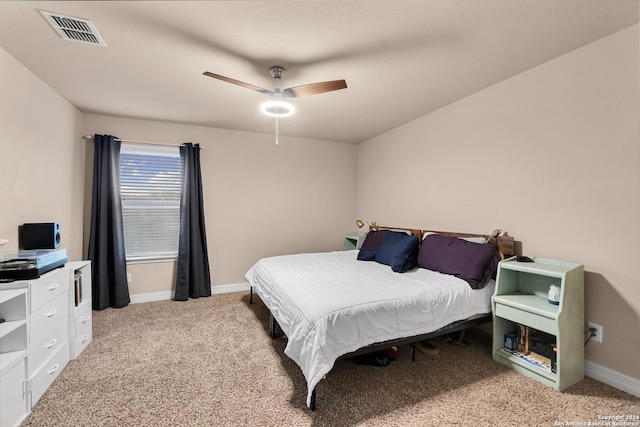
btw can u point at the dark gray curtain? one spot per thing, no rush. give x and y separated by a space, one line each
193 277
106 240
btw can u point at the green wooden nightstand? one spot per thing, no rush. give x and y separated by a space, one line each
353 241
520 298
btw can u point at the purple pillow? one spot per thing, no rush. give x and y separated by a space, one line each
474 263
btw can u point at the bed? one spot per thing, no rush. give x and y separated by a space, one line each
336 304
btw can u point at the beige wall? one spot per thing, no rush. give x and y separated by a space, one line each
41 157
552 156
261 199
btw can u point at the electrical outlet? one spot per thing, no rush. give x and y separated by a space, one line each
128 277
598 332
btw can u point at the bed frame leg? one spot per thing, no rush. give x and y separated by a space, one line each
313 400
272 326
250 294
461 340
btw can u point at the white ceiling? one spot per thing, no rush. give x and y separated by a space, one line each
401 59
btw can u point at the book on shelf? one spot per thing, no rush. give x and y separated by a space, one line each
534 359
523 339
77 287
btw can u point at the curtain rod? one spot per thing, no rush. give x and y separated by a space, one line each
126 141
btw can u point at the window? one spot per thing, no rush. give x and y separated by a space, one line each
150 186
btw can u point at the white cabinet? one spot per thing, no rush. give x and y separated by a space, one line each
520 303
47 322
14 337
80 326
14 406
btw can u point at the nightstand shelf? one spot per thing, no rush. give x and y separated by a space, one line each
521 364
520 299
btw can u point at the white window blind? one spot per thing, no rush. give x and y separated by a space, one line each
150 186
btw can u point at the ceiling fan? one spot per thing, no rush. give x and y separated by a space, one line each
278 106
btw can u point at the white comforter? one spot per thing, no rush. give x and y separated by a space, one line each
330 304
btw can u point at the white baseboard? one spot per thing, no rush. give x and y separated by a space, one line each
612 378
234 287
151 296
167 295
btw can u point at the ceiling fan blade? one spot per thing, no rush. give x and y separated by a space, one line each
237 82
314 88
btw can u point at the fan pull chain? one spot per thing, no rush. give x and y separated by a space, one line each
277 131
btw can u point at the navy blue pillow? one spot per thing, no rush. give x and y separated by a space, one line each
374 239
398 250
371 244
367 254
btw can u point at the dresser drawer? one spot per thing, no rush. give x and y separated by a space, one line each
48 317
46 347
515 315
49 372
48 287
78 344
83 325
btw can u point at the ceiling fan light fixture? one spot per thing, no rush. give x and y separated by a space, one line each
278 105
275 108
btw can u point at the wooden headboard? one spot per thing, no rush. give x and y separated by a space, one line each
415 231
504 242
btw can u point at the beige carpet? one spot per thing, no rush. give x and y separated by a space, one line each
211 362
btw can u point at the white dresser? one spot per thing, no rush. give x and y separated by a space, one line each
44 328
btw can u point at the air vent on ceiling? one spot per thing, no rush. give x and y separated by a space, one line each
74 29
